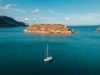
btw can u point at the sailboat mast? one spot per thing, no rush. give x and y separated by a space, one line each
47 50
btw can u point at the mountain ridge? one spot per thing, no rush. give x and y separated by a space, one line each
6 21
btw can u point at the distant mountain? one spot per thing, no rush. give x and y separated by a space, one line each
10 22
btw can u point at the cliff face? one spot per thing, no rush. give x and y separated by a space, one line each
10 22
48 29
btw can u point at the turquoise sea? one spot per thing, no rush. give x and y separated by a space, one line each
23 53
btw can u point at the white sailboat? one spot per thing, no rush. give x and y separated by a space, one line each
47 58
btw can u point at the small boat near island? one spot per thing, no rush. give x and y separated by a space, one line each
47 57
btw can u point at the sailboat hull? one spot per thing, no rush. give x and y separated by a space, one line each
48 59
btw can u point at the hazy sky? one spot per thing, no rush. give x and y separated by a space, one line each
71 12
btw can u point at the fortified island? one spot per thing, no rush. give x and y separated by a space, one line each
48 29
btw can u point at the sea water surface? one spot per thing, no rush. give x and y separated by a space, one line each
23 53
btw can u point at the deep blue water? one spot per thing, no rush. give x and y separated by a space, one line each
23 53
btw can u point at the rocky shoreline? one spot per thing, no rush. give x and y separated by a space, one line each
98 28
48 29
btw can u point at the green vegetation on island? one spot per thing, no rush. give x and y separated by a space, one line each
10 22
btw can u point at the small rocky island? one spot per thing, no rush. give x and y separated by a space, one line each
98 28
10 22
48 29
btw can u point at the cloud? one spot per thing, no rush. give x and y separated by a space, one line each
84 19
55 13
67 18
34 19
88 16
52 12
45 18
35 10
26 19
18 10
11 7
6 7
